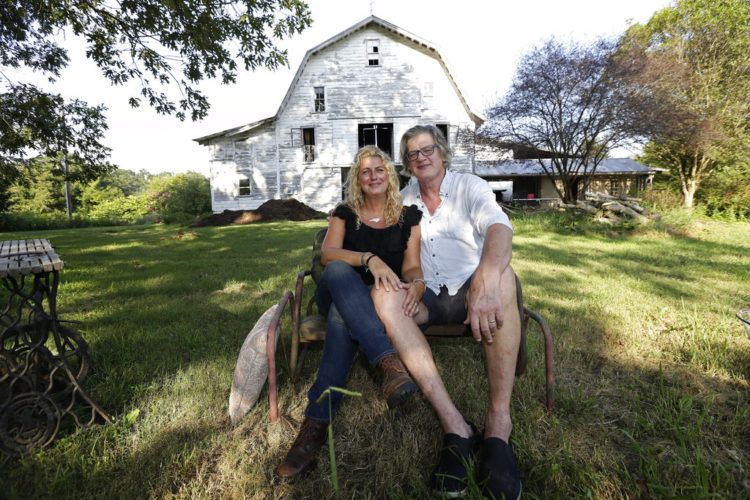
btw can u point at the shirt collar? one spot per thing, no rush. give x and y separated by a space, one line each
446 186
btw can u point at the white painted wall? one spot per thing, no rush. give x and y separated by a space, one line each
408 87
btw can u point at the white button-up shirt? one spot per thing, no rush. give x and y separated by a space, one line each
453 237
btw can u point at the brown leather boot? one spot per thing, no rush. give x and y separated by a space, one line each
302 456
398 386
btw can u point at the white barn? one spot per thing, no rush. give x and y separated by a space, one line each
366 85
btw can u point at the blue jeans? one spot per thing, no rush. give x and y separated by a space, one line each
345 300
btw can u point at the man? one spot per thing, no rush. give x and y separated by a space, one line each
465 255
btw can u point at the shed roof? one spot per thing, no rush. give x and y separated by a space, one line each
431 48
519 168
234 131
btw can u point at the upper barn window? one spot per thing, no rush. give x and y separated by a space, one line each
320 99
373 52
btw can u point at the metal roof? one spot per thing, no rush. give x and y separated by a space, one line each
518 168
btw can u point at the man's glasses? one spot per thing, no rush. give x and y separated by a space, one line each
426 151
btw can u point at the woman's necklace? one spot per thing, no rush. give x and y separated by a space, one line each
375 219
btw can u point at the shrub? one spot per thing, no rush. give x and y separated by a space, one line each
726 194
111 204
31 221
180 199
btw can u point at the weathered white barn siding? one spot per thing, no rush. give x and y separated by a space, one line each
236 158
409 86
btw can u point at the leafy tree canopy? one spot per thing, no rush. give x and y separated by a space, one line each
166 46
565 102
688 74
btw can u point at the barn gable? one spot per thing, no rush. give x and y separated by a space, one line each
366 85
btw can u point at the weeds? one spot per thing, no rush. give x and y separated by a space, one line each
331 451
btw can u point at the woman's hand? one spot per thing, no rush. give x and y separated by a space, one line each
414 292
383 274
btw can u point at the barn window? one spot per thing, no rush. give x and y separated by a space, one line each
373 52
308 144
443 127
320 99
245 187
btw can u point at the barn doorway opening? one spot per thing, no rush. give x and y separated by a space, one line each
379 134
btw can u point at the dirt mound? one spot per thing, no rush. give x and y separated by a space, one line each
271 210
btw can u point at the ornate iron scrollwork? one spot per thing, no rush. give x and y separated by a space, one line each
42 365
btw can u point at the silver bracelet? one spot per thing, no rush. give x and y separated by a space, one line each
362 259
420 280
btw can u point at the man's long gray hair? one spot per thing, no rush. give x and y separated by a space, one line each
437 135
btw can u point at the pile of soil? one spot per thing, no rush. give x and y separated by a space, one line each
271 210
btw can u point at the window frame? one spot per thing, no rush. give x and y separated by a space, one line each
308 148
372 52
319 99
240 187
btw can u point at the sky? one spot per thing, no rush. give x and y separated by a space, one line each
481 42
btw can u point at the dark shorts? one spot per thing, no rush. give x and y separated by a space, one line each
445 309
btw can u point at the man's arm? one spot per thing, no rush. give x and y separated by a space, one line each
484 300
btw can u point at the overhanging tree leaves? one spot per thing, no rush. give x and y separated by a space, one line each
688 76
564 100
167 47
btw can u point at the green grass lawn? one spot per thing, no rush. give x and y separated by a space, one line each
652 368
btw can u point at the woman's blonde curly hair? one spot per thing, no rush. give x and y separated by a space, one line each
354 197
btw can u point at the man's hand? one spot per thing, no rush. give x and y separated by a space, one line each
484 304
413 297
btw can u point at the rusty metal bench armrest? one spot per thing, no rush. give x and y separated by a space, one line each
296 318
548 355
274 330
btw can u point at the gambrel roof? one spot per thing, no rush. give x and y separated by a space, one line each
371 20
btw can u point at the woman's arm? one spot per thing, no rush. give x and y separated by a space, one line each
332 250
333 244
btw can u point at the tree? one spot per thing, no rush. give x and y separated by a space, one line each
687 72
31 119
127 181
564 101
41 190
166 47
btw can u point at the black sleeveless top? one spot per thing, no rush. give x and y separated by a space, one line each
388 243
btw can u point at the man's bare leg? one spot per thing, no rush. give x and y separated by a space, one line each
501 358
416 354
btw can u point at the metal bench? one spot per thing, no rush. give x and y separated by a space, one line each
311 328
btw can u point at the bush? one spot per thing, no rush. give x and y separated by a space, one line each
30 221
726 194
110 204
663 197
180 199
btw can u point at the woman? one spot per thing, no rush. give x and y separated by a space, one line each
372 240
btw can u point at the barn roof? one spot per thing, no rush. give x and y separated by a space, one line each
431 49
520 168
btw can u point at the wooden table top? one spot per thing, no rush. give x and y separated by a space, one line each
19 257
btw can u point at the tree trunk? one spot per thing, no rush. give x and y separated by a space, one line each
688 192
68 204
